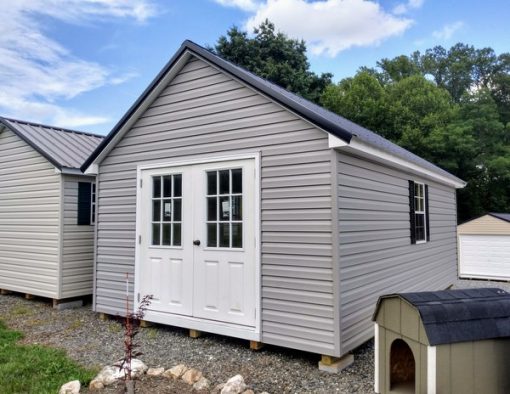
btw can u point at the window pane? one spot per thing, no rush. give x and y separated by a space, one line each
178 185
237 181
167 210
177 234
237 235
211 183
156 210
224 182
224 235
211 235
156 187
177 209
167 186
224 208
155 234
166 234
237 208
211 208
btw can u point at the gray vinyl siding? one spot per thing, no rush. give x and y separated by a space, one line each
205 112
77 244
29 219
375 252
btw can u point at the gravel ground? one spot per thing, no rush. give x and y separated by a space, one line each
95 343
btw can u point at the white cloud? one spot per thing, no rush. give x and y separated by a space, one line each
331 26
36 72
404 8
448 30
245 5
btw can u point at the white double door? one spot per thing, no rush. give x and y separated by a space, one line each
197 241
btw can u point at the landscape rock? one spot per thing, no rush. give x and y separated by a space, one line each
175 372
112 373
70 387
235 385
155 371
192 376
217 389
96 385
202 384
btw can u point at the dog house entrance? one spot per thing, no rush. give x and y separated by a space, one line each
402 368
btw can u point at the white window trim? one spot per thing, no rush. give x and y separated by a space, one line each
93 203
424 212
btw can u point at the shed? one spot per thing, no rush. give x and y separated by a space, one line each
453 341
46 210
250 212
484 247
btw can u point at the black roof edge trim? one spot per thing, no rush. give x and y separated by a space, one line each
231 69
5 123
497 215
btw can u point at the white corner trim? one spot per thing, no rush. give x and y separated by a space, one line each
376 358
93 169
57 171
431 370
335 142
363 149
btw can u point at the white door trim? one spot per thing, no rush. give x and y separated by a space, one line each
227 329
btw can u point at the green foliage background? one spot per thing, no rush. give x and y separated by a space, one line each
450 106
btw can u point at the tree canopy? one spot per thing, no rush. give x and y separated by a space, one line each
450 106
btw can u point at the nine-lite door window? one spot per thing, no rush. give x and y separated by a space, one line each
86 203
166 210
419 215
225 208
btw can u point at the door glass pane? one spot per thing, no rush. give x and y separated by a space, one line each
224 208
211 208
211 235
155 234
167 210
211 183
177 209
167 186
237 208
156 210
156 187
224 235
177 234
237 180
166 234
178 185
224 181
237 235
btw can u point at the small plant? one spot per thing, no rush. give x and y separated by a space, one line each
131 326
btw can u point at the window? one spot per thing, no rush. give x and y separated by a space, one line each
225 208
166 210
86 203
419 215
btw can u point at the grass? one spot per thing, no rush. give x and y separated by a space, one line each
34 368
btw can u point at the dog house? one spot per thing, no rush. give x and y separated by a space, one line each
452 341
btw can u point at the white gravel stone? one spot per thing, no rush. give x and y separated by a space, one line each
235 385
70 387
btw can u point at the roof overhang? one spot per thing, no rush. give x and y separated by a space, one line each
359 148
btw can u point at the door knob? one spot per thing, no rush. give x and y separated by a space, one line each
196 242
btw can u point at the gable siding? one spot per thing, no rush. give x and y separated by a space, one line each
205 112
29 219
485 225
376 255
78 244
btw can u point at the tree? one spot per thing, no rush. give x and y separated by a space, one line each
274 56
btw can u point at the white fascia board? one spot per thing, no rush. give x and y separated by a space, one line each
363 149
71 171
162 84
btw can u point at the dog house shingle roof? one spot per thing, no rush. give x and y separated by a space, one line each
451 316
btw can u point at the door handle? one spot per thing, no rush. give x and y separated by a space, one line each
196 242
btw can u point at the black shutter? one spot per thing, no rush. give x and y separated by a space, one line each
411 212
84 203
427 211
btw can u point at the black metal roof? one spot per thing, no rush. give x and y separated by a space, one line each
462 315
502 216
329 121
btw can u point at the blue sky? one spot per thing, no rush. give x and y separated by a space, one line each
82 63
